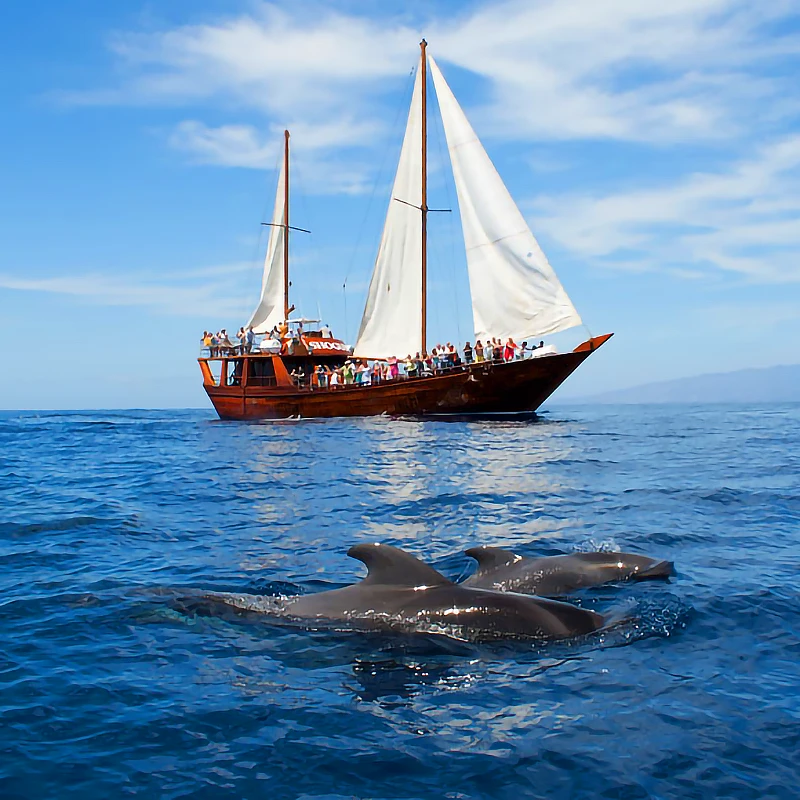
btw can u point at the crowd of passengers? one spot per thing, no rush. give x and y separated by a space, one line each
220 343
360 372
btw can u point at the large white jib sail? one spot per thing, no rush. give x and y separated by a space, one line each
270 309
515 291
392 321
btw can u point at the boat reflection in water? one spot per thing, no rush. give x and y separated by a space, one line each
516 296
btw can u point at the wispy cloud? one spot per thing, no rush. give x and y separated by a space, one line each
244 146
711 73
198 293
744 220
554 69
626 70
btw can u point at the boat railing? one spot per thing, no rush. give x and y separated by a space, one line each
225 351
308 384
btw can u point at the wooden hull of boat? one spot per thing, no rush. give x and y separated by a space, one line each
512 387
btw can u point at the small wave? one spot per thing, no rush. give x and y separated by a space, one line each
659 616
15 529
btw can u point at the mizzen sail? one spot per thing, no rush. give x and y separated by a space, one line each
270 309
391 325
515 291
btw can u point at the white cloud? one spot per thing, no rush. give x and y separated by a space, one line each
227 145
620 69
202 292
244 146
269 59
553 69
659 74
744 220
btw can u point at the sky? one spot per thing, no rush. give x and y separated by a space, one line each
654 149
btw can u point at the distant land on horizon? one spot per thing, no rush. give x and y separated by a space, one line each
779 384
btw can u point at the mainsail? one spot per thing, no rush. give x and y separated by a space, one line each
270 309
515 291
391 325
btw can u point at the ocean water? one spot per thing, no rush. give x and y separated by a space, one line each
107 690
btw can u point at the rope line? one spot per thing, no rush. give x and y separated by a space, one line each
405 99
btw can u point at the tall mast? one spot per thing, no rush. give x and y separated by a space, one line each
286 226
424 203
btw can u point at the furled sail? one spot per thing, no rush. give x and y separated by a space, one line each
392 321
270 310
515 291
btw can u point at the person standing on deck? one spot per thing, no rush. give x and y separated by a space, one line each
510 350
478 351
468 353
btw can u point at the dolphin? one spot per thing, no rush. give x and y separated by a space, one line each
403 594
505 571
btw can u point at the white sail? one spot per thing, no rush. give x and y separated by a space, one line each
515 291
392 321
270 310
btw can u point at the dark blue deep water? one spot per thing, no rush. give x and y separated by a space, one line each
106 690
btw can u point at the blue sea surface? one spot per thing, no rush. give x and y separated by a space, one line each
107 689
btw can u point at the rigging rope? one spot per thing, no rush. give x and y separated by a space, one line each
404 102
254 259
299 188
439 133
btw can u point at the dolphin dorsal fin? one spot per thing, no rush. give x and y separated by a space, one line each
491 557
391 566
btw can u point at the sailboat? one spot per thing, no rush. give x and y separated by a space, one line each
515 295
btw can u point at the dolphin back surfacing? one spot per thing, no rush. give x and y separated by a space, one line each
503 570
403 594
